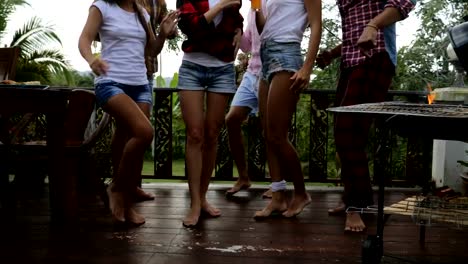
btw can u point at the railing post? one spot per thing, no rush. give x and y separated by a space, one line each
162 111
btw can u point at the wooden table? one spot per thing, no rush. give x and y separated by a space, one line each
52 103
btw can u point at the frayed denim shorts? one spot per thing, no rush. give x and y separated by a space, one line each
279 56
195 77
139 93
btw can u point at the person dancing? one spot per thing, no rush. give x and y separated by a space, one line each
122 89
368 59
285 75
206 81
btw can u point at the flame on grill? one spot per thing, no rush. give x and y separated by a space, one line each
430 95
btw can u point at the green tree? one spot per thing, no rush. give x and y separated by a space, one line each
425 60
37 61
80 79
7 7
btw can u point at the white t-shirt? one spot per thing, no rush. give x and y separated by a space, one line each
286 21
123 41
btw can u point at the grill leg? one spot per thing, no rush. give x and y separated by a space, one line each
372 248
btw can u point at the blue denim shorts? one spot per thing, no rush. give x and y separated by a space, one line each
107 89
195 77
278 57
247 93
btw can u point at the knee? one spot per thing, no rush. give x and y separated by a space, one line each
146 135
233 121
195 136
275 140
211 135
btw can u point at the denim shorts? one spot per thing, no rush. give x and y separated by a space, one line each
139 93
195 77
247 93
278 57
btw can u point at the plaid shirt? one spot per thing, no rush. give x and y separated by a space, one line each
355 15
205 37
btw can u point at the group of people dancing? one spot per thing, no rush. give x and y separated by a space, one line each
133 32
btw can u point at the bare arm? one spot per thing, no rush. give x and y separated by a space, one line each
260 20
168 25
314 14
87 36
389 16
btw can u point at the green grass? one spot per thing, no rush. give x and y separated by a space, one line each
178 168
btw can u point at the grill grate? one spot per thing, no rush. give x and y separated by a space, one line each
409 109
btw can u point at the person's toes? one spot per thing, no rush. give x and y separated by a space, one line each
141 195
238 187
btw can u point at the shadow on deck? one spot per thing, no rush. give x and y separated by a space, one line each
235 237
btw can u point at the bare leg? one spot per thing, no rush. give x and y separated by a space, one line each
278 202
119 140
268 194
140 194
191 103
130 118
281 105
262 103
216 105
234 120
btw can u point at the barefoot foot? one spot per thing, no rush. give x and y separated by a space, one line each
339 209
116 204
133 217
354 222
191 219
141 195
276 205
267 194
210 210
239 185
297 205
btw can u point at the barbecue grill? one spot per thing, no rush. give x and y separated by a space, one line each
435 121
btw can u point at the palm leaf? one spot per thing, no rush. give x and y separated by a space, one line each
53 60
34 35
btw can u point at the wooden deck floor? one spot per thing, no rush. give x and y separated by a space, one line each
235 237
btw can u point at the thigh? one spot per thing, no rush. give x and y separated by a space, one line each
127 114
281 103
192 105
367 83
216 104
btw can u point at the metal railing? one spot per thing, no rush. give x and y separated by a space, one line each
311 132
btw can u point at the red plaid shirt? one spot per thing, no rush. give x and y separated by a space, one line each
205 37
355 15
